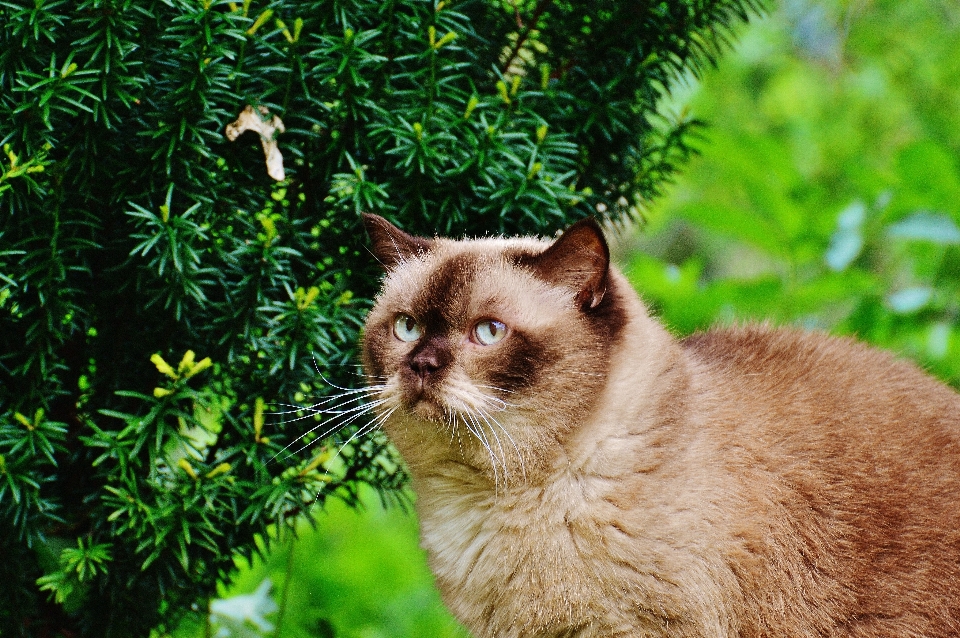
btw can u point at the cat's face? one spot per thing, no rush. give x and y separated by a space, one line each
487 352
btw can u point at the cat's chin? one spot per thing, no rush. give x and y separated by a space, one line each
427 409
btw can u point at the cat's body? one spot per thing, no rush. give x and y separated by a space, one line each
586 474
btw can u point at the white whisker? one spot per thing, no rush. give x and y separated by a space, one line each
500 404
338 422
479 432
369 427
503 454
334 385
493 387
348 393
490 418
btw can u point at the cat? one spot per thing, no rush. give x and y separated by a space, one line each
580 472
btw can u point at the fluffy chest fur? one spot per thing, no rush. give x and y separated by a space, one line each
566 560
580 472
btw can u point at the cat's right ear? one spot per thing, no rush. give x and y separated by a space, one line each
390 245
578 259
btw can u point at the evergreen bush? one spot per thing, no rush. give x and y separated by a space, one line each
160 292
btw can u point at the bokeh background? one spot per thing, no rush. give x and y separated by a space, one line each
826 195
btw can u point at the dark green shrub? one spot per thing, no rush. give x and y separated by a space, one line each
133 234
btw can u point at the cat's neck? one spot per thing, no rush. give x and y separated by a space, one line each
644 398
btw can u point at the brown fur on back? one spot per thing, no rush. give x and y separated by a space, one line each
861 455
592 476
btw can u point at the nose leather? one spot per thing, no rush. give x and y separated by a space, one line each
425 364
429 360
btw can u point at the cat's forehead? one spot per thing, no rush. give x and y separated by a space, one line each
456 280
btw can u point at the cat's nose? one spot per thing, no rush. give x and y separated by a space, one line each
427 362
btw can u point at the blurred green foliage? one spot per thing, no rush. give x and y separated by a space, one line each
358 574
828 190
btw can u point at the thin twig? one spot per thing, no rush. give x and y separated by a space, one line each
541 7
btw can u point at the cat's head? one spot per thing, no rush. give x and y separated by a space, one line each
490 351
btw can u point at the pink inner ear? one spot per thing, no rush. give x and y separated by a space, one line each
390 245
578 259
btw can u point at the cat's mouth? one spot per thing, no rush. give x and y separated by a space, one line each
428 409
425 404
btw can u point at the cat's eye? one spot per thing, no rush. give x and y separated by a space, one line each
489 332
406 328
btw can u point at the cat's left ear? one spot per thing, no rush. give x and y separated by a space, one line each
578 259
390 245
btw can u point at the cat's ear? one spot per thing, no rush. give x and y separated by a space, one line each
390 245
578 259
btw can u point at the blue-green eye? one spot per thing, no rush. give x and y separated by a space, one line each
489 332
406 328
